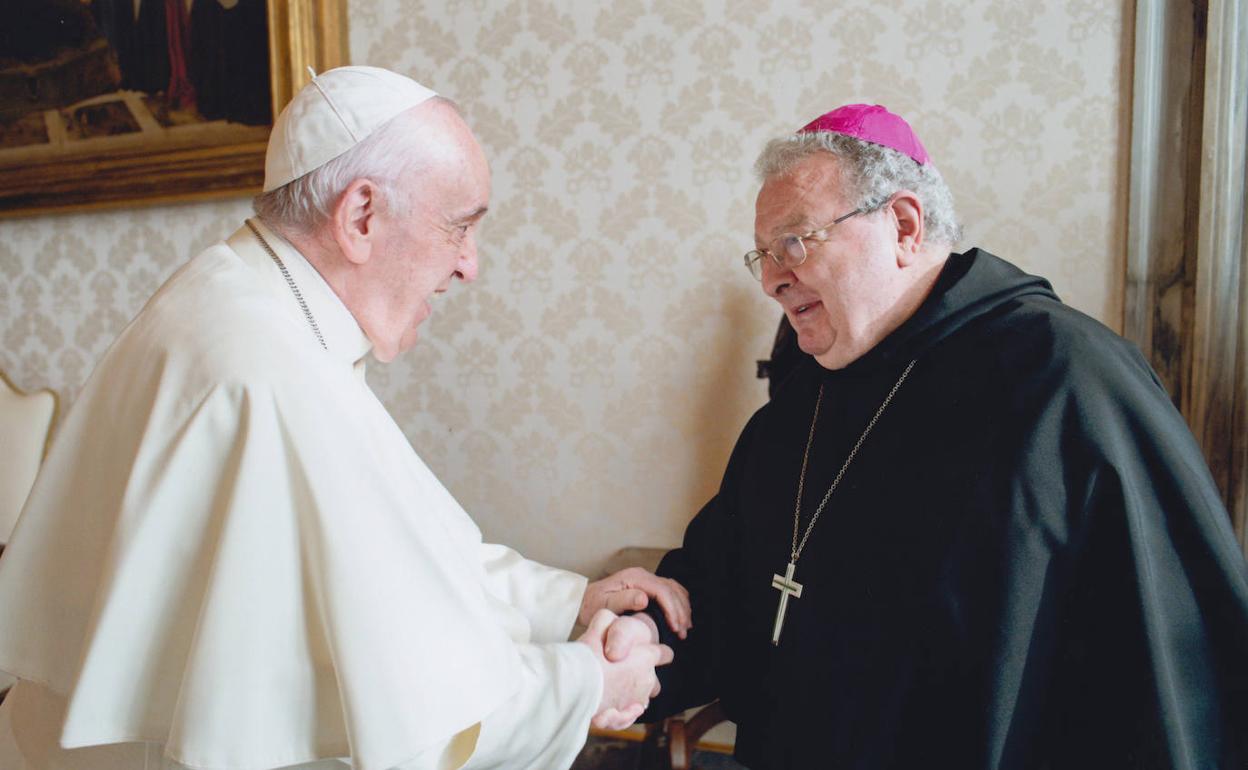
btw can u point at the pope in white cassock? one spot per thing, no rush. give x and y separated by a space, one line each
234 560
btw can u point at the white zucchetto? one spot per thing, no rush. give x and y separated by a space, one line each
332 114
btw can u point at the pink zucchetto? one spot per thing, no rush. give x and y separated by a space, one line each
871 123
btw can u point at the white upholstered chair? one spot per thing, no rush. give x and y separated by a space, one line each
25 424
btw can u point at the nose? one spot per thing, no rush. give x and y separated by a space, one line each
775 279
466 266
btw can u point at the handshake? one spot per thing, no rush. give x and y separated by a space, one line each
627 647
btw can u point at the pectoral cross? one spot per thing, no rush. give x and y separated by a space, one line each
787 587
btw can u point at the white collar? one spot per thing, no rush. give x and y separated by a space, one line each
344 339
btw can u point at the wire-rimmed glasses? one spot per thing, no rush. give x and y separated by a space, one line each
788 250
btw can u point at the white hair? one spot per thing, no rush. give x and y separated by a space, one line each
872 173
392 153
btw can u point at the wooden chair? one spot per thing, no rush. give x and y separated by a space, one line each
25 425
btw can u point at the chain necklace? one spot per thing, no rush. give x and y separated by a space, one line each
291 283
785 583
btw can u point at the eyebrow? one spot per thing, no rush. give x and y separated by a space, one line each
797 220
477 214
787 227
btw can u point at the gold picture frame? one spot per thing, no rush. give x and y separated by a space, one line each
158 165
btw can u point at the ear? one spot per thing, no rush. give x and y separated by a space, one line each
355 221
906 211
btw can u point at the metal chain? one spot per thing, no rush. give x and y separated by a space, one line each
289 282
801 481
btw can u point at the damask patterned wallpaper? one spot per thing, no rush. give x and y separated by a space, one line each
585 392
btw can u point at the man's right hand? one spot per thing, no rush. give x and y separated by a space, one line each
629 683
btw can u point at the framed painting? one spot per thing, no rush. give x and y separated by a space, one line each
107 103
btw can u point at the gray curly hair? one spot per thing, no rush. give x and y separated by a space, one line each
873 173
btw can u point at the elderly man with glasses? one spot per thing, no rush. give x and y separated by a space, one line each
970 530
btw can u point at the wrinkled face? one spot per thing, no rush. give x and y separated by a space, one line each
433 242
837 298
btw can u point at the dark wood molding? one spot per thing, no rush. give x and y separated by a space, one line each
1217 402
1161 260
1185 231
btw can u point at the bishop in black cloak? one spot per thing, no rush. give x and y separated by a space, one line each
1007 550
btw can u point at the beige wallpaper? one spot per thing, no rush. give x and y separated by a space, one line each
584 394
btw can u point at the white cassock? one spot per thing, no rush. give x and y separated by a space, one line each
233 559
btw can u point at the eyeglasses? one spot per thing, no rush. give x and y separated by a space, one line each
789 250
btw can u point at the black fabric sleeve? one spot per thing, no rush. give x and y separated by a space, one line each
699 672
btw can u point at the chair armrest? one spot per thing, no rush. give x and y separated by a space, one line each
675 738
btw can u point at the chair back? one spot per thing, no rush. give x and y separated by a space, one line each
25 425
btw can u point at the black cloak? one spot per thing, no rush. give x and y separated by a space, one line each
1027 565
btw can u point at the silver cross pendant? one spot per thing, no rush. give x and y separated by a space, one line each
787 587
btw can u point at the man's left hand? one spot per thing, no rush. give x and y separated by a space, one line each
630 590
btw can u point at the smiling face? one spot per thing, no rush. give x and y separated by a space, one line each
845 297
422 247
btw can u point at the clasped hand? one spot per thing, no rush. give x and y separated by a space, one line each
630 590
627 647
628 651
